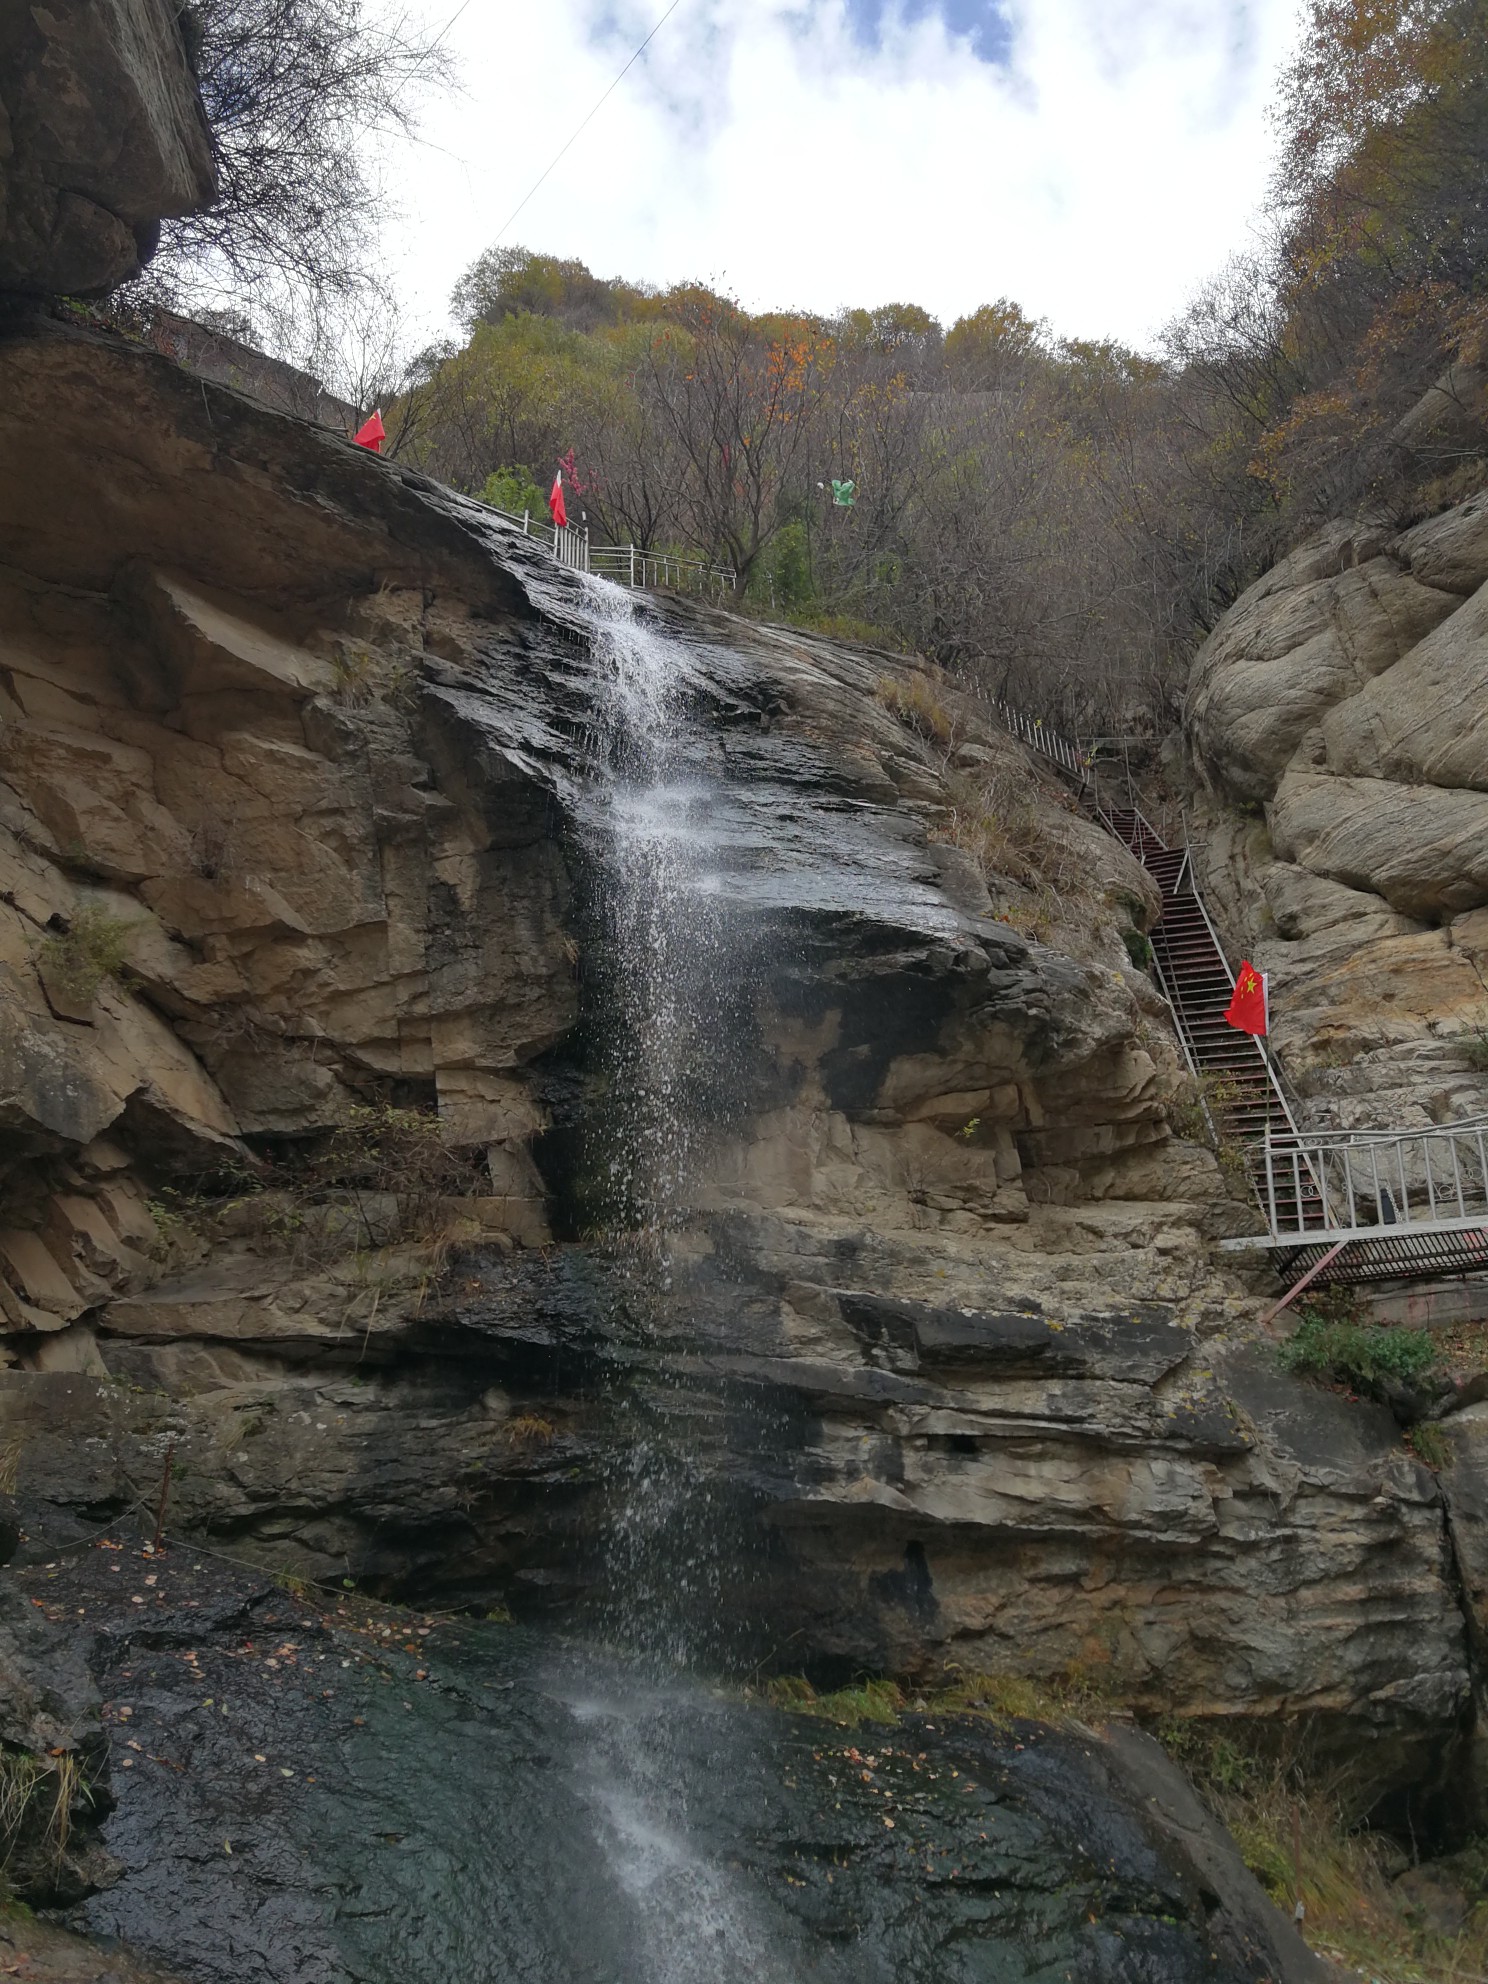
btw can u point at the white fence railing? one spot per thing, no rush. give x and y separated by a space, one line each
626 564
629 565
1037 735
1376 1184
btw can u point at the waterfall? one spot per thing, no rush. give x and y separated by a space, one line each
659 912
674 967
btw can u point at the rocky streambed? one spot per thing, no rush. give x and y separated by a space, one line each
306 1790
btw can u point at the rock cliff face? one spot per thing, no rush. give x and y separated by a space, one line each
1339 718
309 1107
101 137
1341 709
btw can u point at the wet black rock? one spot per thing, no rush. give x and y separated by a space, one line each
310 1793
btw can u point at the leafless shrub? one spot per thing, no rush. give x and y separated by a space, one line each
293 90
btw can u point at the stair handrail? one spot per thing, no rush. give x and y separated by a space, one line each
1391 1199
1048 742
626 564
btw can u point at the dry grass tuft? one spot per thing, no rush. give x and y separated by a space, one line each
530 1429
32 1785
915 703
1303 1841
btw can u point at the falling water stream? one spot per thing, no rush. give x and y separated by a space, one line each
677 964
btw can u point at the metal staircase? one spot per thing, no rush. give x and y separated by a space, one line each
1339 1206
1244 1090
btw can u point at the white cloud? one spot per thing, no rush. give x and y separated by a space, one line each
1097 177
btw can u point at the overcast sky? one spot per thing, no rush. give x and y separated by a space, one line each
1093 159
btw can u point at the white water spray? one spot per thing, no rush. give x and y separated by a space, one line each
672 962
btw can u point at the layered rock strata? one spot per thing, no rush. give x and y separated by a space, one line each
1339 716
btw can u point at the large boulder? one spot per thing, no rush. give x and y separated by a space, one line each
1342 704
102 135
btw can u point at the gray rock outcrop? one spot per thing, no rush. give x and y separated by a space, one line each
1339 717
102 136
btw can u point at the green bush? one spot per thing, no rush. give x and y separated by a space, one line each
513 489
92 948
790 563
1359 1354
1138 949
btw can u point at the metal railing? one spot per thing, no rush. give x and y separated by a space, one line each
1377 1184
1038 736
629 565
1346 1206
626 564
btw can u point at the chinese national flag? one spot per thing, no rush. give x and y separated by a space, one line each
1250 1009
371 434
555 502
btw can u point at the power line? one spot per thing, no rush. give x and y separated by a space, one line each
448 25
588 120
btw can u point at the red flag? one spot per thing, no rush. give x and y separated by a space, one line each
1250 1008
371 434
555 502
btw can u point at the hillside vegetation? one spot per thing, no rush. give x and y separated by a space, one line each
1058 521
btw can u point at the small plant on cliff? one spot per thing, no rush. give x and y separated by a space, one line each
381 1148
1331 1344
94 947
355 668
530 1429
1138 948
1430 1446
916 705
1475 1051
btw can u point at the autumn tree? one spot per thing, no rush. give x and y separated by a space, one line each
515 282
993 347
1382 264
738 405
